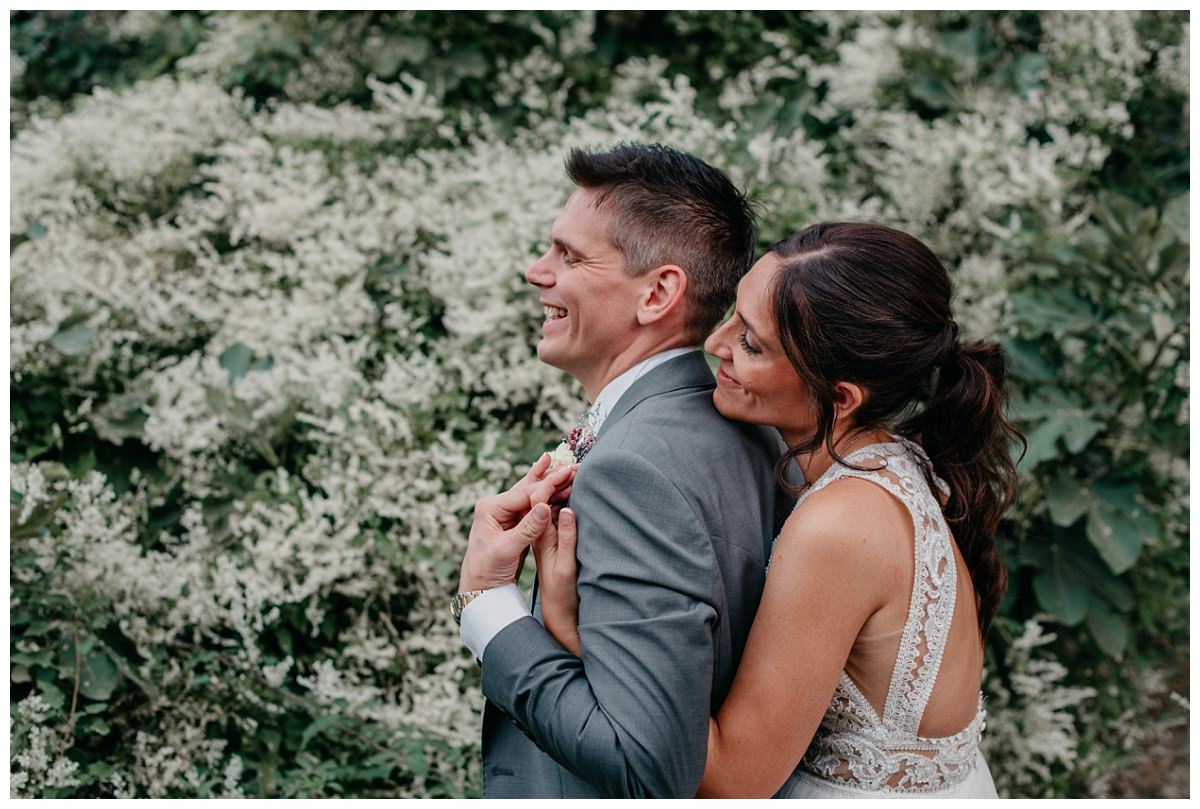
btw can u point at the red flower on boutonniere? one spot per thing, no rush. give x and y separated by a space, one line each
580 441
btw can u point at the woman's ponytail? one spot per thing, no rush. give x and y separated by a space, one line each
967 436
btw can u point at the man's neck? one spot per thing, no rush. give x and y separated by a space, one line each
622 363
616 389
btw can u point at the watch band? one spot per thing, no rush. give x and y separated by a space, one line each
459 602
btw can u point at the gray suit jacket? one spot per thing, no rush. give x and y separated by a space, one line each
677 508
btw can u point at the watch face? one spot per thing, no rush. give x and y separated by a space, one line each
459 602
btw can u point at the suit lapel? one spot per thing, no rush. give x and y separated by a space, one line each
687 371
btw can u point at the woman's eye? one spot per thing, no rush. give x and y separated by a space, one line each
746 344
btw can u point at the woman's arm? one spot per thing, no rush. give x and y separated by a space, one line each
837 561
832 568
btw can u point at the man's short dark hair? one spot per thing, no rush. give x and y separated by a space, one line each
670 207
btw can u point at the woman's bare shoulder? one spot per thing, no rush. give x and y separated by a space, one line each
849 522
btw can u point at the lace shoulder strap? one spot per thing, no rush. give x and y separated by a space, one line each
899 467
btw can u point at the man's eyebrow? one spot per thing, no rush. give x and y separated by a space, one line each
564 245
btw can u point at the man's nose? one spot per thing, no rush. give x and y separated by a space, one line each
539 273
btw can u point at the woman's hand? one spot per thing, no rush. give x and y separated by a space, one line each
554 551
506 524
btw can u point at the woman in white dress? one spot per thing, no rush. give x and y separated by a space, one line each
861 674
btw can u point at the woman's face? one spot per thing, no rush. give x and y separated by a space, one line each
755 381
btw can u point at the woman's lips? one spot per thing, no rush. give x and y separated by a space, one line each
724 378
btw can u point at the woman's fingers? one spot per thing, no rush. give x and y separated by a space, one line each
508 507
543 491
504 507
530 490
537 471
544 545
564 557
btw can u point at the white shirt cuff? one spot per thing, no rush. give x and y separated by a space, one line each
489 613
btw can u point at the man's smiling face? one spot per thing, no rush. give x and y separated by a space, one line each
590 303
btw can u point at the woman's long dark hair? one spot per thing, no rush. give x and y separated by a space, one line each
870 305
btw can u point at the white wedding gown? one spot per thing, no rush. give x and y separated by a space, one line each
856 753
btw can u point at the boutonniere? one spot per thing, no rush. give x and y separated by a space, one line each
574 448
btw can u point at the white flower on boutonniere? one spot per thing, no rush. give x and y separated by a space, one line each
562 455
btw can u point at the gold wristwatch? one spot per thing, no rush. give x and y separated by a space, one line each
459 602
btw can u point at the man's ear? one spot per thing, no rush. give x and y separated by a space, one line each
847 398
663 293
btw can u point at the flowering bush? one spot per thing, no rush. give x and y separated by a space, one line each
270 340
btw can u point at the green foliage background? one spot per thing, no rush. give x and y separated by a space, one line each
1091 305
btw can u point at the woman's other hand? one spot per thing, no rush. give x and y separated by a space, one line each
554 551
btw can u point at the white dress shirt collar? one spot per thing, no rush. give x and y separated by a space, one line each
611 393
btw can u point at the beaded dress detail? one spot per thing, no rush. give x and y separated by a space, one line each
855 749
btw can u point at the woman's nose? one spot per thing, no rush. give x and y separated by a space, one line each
716 344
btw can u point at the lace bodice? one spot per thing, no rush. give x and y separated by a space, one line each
854 746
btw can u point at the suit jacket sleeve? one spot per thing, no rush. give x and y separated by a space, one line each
631 715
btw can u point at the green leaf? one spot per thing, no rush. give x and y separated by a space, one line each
417 763
263 447
121 417
52 694
101 769
1175 217
1117 214
1056 311
38 518
1041 442
396 51
1114 590
384 61
73 341
1027 360
1117 525
1102 581
1108 628
931 91
99 677
414 49
270 739
94 725
42 657
320 725
468 61
1117 540
236 360
1062 590
963 46
1173 261
1067 499
284 638
1077 432
20 674
1028 71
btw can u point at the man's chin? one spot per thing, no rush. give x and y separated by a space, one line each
548 355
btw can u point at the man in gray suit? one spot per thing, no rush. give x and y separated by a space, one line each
676 507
